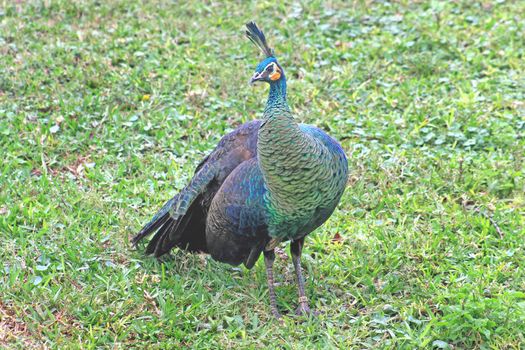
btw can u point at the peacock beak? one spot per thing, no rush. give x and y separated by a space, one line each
256 77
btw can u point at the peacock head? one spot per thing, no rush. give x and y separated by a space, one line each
268 70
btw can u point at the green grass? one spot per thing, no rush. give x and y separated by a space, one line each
106 108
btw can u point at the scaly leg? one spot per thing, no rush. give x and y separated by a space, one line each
296 248
269 257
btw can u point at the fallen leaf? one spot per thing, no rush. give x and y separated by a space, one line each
337 238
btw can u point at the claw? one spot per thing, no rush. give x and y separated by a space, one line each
278 316
304 310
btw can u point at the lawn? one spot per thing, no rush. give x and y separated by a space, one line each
106 107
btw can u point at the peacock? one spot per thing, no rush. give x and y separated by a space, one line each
269 181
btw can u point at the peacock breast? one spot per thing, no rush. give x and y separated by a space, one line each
304 196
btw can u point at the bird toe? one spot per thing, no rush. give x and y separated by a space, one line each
304 310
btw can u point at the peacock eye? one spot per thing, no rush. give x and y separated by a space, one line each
269 68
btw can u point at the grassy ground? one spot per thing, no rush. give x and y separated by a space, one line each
106 108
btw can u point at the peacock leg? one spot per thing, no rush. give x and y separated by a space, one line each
269 257
296 248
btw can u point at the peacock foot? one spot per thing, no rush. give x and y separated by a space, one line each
304 310
277 315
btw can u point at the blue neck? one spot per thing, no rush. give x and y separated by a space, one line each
277 96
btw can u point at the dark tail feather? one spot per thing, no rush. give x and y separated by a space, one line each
158 220
161 235
169 230
169 235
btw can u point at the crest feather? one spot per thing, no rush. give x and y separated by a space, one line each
257 37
